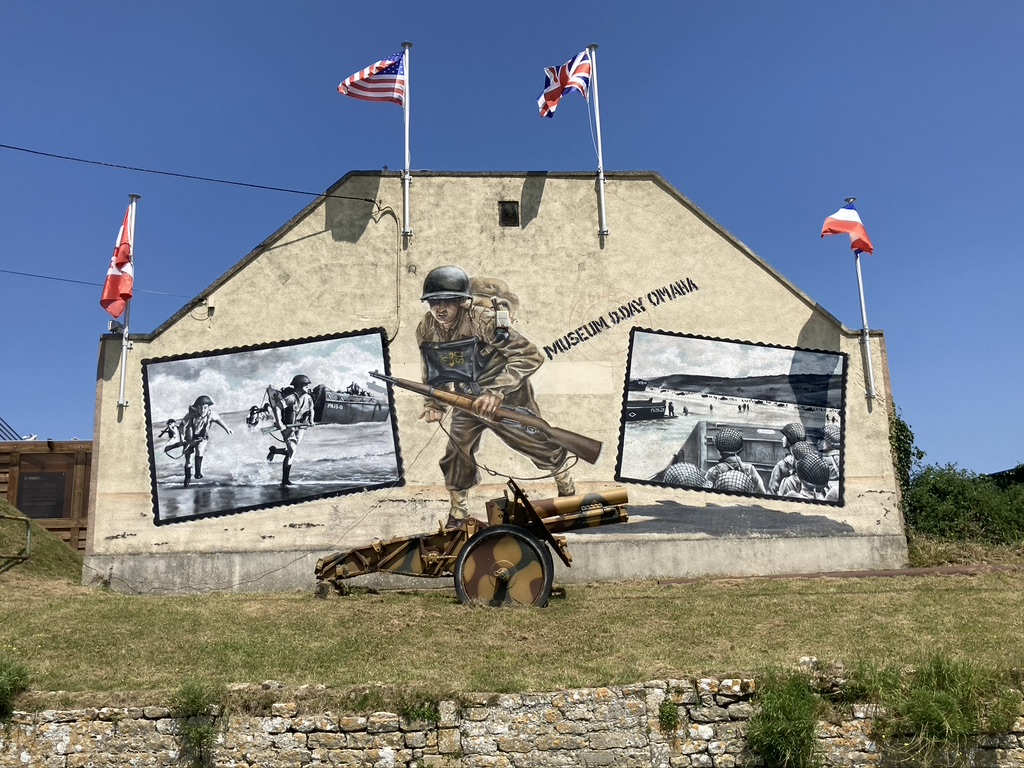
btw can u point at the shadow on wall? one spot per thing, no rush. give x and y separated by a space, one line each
533 191
671 517
819 333
351 208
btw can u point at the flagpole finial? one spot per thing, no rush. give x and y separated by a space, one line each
592 47
850 200
407 44
133 197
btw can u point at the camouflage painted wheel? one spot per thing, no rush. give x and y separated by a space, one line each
504 565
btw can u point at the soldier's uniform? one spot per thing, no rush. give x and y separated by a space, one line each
729 443
469 352
469 357
830 452
812 474
793 433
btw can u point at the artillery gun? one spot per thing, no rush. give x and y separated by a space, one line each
505 561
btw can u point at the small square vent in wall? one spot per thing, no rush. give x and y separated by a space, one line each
508 213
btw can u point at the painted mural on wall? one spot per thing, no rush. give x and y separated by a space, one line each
470 350
244 429
733 417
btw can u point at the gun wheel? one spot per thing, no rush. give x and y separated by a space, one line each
504 565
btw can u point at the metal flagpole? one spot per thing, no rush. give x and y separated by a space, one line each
864 340
126 344
406 176
602 222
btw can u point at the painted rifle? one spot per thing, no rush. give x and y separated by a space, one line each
586 448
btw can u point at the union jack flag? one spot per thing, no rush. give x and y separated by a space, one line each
573 75
382 81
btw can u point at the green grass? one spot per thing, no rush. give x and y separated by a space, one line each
14 679
77 639
50 557
933 712
783 730
412 649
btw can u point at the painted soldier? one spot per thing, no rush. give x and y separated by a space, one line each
293 413
465 350
195 434
792 434
729 443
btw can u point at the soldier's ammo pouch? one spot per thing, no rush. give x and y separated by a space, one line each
458 362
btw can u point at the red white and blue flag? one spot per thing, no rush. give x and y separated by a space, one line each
846 221
382 81
117 289
573 75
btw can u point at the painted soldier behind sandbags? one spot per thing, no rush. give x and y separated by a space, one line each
464 349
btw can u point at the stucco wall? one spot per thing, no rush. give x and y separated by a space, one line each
341 265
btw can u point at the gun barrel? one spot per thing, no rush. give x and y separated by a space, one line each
585 447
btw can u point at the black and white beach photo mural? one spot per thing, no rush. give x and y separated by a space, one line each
243 429
733 417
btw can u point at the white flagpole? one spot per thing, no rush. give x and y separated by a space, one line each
602 221
406 176
864 340
126 344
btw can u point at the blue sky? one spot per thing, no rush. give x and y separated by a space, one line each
766 115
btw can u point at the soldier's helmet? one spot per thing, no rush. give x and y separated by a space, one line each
300 381
803 448
729 441
812 470
794 433
202 400
831 433
734 480
446 283
684 474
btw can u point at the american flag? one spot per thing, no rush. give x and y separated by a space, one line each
383 81
574 74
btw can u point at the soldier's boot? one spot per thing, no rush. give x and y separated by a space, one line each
286 476
459 509
188 475
564 483
273 452
199 467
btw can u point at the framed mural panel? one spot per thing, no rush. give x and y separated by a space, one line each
733 417
242 429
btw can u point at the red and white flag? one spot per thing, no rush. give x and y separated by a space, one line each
573 75
846 221
381 81
117 290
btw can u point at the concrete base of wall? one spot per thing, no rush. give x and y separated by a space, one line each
595 558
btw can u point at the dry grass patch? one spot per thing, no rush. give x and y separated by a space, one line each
928 551
79 640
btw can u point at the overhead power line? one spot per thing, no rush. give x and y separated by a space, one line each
190 177
85 282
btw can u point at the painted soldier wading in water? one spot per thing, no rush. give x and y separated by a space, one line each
292 409
195 434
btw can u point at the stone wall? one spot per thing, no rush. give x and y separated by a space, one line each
594 727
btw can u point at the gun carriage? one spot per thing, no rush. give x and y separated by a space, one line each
505 561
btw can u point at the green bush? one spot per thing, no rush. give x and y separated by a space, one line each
954 503
14 678
198 704
784 729
906 456
933 714
668 716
